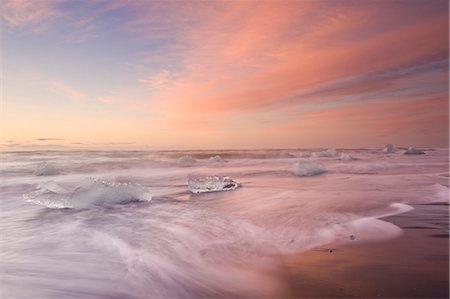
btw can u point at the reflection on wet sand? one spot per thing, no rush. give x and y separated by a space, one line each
412 266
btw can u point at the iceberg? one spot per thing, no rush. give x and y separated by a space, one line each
327 153
346 157
186 160
308 169
90 193
212 184
389 148
413 151
216 159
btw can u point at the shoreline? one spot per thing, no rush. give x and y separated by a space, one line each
414 265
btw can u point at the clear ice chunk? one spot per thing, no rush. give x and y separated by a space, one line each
212 184
346 157
389 148
45 169
308 169
216 159
90 193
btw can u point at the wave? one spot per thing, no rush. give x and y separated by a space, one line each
327 153
90 193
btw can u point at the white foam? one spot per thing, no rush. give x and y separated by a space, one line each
308 169
326 153
89 193
437 193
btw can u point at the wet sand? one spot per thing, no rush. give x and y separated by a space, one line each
415 265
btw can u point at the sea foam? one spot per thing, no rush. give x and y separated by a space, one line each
328 153
90 193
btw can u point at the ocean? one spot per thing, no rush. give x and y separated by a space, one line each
124 224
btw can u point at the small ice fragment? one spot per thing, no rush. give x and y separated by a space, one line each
216 159
308 169
389 148
328 153
211 184
186 160
413 151
346 157
287 155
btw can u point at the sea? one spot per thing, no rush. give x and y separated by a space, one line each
124 224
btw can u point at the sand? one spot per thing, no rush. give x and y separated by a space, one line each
415 265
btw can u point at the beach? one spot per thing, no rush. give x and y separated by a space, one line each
298 223
413 266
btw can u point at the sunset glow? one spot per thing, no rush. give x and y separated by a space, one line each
234 74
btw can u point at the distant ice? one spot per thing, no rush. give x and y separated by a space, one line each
326 153
389 148
186 160
308 169
287 155
216 159
346 157
45 169
413 151
89 193
211 184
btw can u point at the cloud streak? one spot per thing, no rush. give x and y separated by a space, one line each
297 73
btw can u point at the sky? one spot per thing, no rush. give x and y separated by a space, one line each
233 74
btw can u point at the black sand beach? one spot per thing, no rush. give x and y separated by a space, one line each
415 265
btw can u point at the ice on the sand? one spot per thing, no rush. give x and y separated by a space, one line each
327 153
346 157
45 169
413 151
216 159
186 160
90 193
211 184
308 169
389 148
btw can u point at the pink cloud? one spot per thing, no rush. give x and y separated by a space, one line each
18 13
